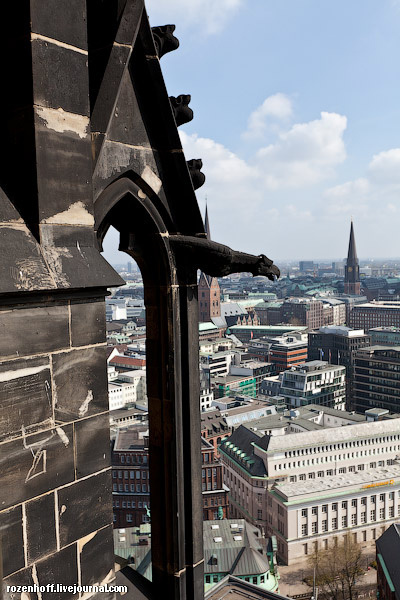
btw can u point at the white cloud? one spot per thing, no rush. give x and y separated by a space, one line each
209 16
384 167
275 107
306 154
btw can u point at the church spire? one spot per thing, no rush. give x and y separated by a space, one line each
352 253
207 224
352 270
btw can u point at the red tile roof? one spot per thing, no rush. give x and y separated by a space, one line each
128 361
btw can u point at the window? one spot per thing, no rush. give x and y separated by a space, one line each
373 499
353 519
334 506
391 511
363 501
344 521
304 529
334 523
129 518
314 527
314 510
381 513
344 504
325 525
303 512
354 502
382 498
363 517
373 515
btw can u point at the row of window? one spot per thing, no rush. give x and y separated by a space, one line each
345 522
312 461
133 458
120 487
341 470
345 503
130 504
130 474
342 445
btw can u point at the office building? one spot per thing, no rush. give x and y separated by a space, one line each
375 314
338 346
311 475
377 378
314 382
385 336
286 352
303 311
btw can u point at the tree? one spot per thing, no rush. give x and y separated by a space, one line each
337 569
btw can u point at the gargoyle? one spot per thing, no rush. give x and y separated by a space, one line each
164 39
182 112
198 178
218 260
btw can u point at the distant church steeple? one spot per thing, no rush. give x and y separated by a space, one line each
209 290
352 269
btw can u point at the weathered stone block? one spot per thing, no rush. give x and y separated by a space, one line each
24 331
63 167
97 557
88 322
53 20
12 544
60 77
92 445
26 397
59 568
80 381
23 577
40 527
84 507
35 464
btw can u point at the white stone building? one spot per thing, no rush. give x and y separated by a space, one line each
335 474
128 389
315 382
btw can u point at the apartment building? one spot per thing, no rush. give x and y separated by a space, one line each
314 382
335 474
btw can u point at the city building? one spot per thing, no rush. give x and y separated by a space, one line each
128 389
338 346
286 352
377 378
235 385
206 393
387 563
312 475
214 491
337 310
369 315
304 311
314 382
245 333
307 266
385 336
233 546
252 368
130 476
352 269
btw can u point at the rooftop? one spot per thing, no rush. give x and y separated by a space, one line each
362 479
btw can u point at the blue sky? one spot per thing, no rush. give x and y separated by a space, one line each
297 120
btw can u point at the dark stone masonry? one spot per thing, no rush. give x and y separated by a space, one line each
90 140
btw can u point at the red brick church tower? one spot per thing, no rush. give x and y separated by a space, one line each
209 291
